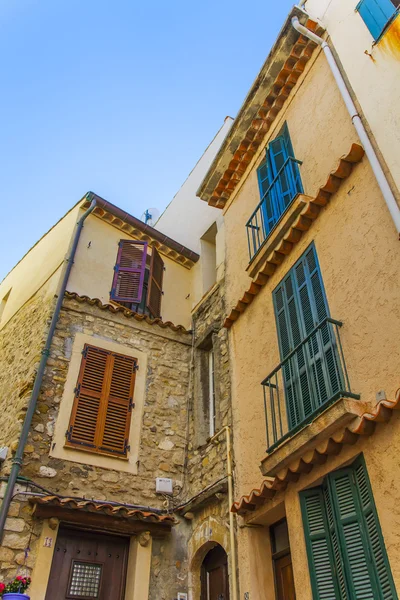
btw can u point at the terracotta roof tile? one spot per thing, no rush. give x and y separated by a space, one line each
116 510
364 425
132 226
273 102
302 223
125 311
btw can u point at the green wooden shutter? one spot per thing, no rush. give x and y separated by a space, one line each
352 537
319 548
345 547
313 375
383 575
364 555
289 336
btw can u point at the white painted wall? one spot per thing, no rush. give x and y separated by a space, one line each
187 218
374 77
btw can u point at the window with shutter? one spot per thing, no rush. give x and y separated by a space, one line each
278 179
376 14
154 292
313 375
129 271
346 552
101 413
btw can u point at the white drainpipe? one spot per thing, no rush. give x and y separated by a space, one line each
355 117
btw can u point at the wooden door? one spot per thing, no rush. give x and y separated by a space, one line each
214 575
284 578
88 566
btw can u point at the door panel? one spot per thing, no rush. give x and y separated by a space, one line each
88 566
214 575
284 578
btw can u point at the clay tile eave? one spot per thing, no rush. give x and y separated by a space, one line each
360 426
126 312
117 510
278 75
119 217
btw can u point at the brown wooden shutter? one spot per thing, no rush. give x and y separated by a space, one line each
101 413
154 292
117 419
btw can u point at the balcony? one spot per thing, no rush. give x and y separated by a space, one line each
309 379
280 194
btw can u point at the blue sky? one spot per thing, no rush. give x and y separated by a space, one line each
119 97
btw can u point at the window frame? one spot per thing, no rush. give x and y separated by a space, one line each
276 202
104 404
147 282
212 414
389 10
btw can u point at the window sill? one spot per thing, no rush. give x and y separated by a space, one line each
277 234
68 446
327 423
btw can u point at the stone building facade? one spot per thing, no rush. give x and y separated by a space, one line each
77 498
312 295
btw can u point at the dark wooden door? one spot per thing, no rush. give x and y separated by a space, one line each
88 566
284 578
214 575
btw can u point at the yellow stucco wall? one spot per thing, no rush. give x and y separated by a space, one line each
93 272
39 267
375 76
321 132
380 452
359 254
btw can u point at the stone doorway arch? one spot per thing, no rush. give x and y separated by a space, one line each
208 534
214 578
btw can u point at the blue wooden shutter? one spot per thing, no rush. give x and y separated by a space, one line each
268 208
129 271
319 548
376 14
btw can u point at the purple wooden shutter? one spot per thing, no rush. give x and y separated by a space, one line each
129 271
154 292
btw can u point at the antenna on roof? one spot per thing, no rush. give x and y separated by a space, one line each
150 216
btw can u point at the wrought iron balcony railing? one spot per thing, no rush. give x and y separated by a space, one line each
278 197
310 378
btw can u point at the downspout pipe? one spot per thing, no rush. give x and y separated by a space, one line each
358 124
17 461
227 431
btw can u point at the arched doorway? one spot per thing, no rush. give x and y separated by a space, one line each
214 575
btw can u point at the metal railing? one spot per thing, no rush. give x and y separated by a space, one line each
312 376
278 197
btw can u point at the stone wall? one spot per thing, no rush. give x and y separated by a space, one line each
21 342
164 416
170 383
207 462
163 428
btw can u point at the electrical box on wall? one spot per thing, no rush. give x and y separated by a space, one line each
163 485
182 596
